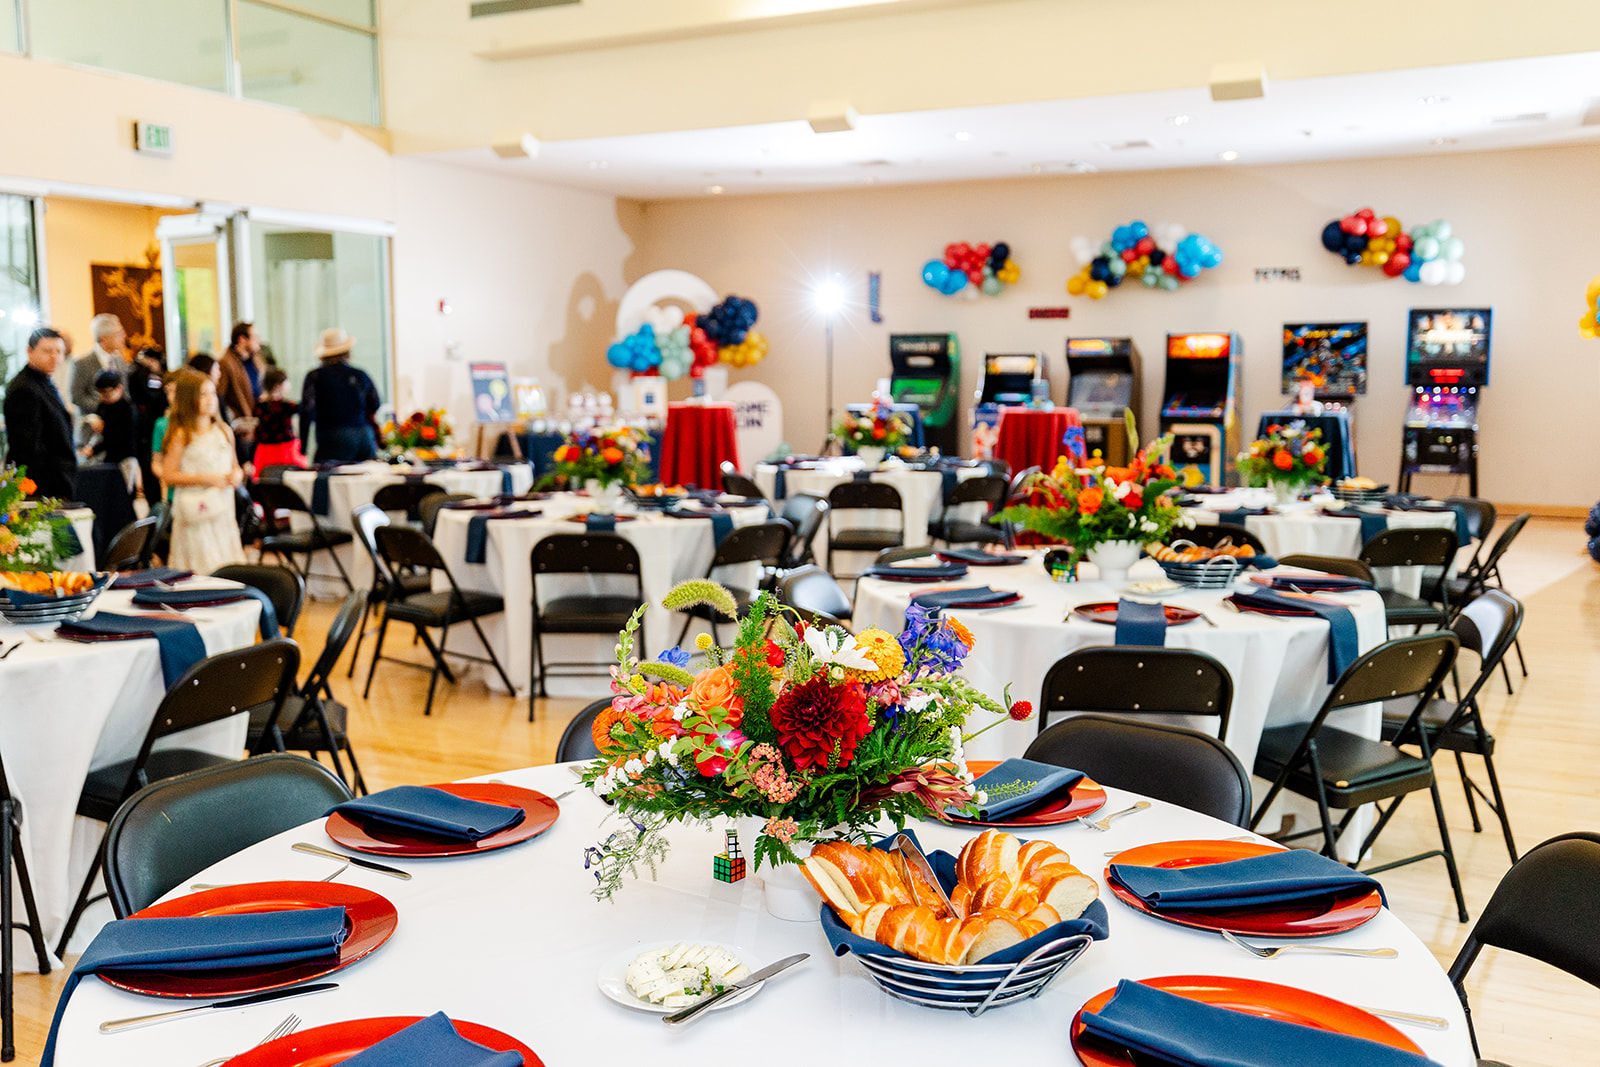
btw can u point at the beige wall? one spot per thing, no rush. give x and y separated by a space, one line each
78 233
1511 208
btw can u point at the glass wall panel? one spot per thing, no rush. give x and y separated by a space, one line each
181 41
9 40
19 285
356 11
306 64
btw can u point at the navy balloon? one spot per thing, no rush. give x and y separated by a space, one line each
1333 237
1100 269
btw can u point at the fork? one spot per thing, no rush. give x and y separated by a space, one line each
1268 953
1104 825
10 650
226 885
283 1029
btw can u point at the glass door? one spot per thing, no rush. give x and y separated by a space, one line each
20 285
195 258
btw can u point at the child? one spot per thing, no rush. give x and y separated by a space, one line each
158 433
118 421
276 442
198 462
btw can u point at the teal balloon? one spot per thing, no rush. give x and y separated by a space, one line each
1419 232
1169 282
1109 250
1118 267
1150 279
1452 249
934 273
1442 230
1425 249
993 286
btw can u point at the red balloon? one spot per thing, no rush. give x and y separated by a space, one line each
975 275
983 251
1145 246
1377 227
1399 261
1402 242
1349 223
1391 269
1130 254
1366 213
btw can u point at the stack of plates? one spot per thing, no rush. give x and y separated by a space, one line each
1218 572
1360 496
55 609
976 988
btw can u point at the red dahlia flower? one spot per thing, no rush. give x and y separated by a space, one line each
815 718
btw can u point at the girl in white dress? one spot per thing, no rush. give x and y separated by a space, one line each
199 462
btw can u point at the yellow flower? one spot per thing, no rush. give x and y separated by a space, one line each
702 642
884 651
963 634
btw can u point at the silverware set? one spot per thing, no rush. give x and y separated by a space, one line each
283 1029
225 885
1272 952
1104 825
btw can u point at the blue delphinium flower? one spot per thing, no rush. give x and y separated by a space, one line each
674 657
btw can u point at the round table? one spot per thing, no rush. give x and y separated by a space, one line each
1302 527
513 940
1031 437
67 709
698 439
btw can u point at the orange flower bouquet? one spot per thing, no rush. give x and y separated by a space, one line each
424 432
605 456
34 537
1289 455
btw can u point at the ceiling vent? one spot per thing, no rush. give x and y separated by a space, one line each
1526 116
485 8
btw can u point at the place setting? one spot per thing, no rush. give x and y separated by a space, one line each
1022 793
449 819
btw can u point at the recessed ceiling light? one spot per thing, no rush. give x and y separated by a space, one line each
962 135
714 190
598 164
1178 120
1229 156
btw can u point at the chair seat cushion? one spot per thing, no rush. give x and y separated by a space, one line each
958 532
305 540
102 789
1464 738
1402 610
868 540
586 614
428 609
1355 770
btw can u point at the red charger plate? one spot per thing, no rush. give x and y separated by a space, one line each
889 574
1107 612
369 917
191 604
94 639
975 605
1085 798
540 813
1266 999
992 561
323 1046
1333 914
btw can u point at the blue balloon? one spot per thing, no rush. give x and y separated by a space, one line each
1100 268
935 273
1333 237
954 283
1139 230
1412 273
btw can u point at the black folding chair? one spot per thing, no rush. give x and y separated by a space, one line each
286 544
404 549
806 512
990 491
1431 549
430 505
129 546
284 587
275 472
1339 769
367 518
1543 909
1126 680
863 496
1481 517
406 497
311 720
214 689
171 830
1349 568
764 544
737 484
12 857
1487 627
581 613
1213 534
577 740
1183 767
813 593
1474 581
891 556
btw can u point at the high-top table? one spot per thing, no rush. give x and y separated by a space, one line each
698 439
1032 437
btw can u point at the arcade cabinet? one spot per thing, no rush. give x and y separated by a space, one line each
1447 362
1102 383
1198 403
1330 358
1008 381
927 373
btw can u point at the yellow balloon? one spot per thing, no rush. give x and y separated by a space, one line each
1097 290
1394 228
1593 292
1075 285
1381 258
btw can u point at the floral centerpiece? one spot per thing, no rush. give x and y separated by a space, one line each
871 434
33 538
425 434
1288 458
609 457
1094 507
812 732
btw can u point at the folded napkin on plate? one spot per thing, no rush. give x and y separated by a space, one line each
1310 583
1276 878
966 598
1373 523
1181 1032
1343 642
1139 623
595 522
179 598
477 549
148 577
931 572
205 943
433 1042
181 644
1237 516
433 812
980 557
1019 786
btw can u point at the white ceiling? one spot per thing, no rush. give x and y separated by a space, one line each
1512 103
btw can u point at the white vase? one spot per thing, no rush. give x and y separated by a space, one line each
872 455
606 497
785 891
1113 558
1284 491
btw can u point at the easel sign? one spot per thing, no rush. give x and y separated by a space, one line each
491 403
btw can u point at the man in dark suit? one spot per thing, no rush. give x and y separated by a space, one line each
37 424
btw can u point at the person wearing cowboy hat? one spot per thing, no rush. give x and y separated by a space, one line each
341 401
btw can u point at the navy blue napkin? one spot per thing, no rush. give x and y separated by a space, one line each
478 531
148 577
965 597
933 572
1237 516
780 484
181 644
595 522
861 476
434 812
205 943
179 598
1311 583
951 480
980 557
507 486
1276 878
1343 643
1181 1032
319 493
1141 624
1373 523
432 1041
1018 786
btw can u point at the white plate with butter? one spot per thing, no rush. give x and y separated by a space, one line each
662 971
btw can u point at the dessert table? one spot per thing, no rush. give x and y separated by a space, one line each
512 939
67 709
671 550
698 439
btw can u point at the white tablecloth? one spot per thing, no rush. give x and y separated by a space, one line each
66 709
346 492
1301 527
670 551
513 940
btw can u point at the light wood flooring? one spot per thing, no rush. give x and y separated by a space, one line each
1527 1014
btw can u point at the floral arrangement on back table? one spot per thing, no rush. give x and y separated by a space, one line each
604 456
423 431
31 539
818 733
882 427
1087 504
1290 454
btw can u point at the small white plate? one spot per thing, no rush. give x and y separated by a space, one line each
613 981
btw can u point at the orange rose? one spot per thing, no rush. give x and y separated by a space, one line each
429 433
612 455
600 729
27 486
714 688
1089 500
1283 461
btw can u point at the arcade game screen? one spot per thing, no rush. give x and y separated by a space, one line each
1330 355
1448 347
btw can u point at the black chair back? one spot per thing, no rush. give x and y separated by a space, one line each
806 512
275 496
130 545
762 543
1502 544
894 555
1480 515
403 548
586 553
429 507
343 627
285 588
406 497
813 593
1212 535
1411 547
1350 568
1183 767
577 740
1020 480
989 489
170 831
1143 681
737 484
1487 626
873 496
1408 666
274 472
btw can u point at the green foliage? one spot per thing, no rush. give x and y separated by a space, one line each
751 674
666 672
700 591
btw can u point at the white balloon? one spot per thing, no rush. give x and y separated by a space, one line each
1433 272
1082 250
1168 234
1454 272
671 316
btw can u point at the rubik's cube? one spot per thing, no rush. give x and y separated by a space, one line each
729 866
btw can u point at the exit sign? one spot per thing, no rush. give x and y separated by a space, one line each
152 138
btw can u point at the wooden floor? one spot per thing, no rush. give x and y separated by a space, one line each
1527 1014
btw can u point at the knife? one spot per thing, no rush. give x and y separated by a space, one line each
744 983
318 850
238 1002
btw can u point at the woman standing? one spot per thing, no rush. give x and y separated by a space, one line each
340 401
198 461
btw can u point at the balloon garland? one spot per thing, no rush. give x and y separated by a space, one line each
672 344
1589 325
1161 258
1429 255
989 268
